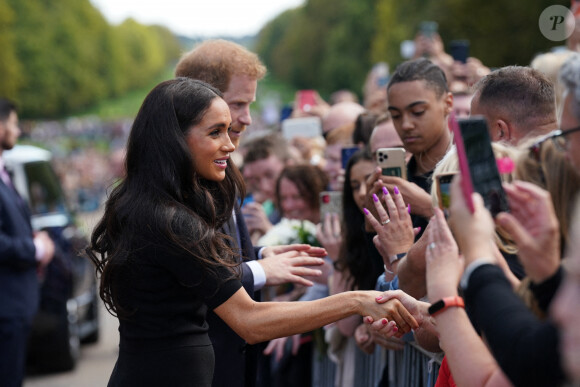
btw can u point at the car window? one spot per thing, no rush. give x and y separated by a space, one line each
44 189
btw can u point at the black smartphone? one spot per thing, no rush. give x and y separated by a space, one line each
459 50
346 154
481 163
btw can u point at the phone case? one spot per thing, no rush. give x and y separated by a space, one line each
392 162
466 183
443 194
330 202
306 100
346 153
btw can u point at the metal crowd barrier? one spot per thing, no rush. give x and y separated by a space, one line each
411 367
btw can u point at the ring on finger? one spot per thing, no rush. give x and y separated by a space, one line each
386 221
431 246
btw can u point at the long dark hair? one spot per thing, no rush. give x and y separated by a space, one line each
353 257
162 200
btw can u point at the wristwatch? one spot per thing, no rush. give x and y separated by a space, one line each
445 303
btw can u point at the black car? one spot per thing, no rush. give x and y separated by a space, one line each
68 312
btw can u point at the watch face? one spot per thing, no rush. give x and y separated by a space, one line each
434 308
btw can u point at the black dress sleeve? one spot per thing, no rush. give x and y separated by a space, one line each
525 348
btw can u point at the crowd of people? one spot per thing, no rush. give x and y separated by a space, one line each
233 260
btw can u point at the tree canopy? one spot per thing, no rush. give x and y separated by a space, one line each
61 56
332 44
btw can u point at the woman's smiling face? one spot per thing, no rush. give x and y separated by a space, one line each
209 142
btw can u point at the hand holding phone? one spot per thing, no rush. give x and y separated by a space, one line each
392 162
478 164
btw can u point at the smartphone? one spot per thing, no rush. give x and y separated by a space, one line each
428 28
392 162
330 202
443 186
459 50
478 165
301 127
346 154
306 100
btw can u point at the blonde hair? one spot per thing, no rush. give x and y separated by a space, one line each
341 135
550 170
450 163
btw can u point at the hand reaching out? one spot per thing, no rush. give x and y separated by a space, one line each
533 225
394 228
329 234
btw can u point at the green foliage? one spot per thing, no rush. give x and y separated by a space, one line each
61 56
332 44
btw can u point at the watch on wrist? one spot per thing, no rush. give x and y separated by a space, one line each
445 303
395 257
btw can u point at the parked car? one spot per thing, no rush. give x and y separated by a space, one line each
68 313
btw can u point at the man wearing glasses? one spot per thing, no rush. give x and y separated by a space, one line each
568 137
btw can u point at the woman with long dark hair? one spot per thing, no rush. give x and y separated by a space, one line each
163 260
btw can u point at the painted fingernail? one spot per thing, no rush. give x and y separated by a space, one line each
379 298
396 190
395 329
375 198
365 211
385 191
369 320
419 228
409 208
385 322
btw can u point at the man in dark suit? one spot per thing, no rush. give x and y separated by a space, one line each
235 71
22 252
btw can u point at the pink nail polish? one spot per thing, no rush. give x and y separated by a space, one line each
409 208
419 229
365 211
395 329
369 320
375 198
396 190
385 191
384 321
379 298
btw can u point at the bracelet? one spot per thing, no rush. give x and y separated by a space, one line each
445 303
396 257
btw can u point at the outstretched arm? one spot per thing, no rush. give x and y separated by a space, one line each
261 321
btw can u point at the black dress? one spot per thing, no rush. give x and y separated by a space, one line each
164 341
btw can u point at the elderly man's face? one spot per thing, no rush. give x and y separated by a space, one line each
570 121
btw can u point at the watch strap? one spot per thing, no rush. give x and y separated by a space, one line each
445 303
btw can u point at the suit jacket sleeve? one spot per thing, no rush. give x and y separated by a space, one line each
16 239
525 348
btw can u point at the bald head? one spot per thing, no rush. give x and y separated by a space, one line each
341 114
384 135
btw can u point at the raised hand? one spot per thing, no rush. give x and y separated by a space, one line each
444 265
534 227
393 226
329 235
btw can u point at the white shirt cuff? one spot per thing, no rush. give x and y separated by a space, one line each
40 249
259 274
260 252
464 282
